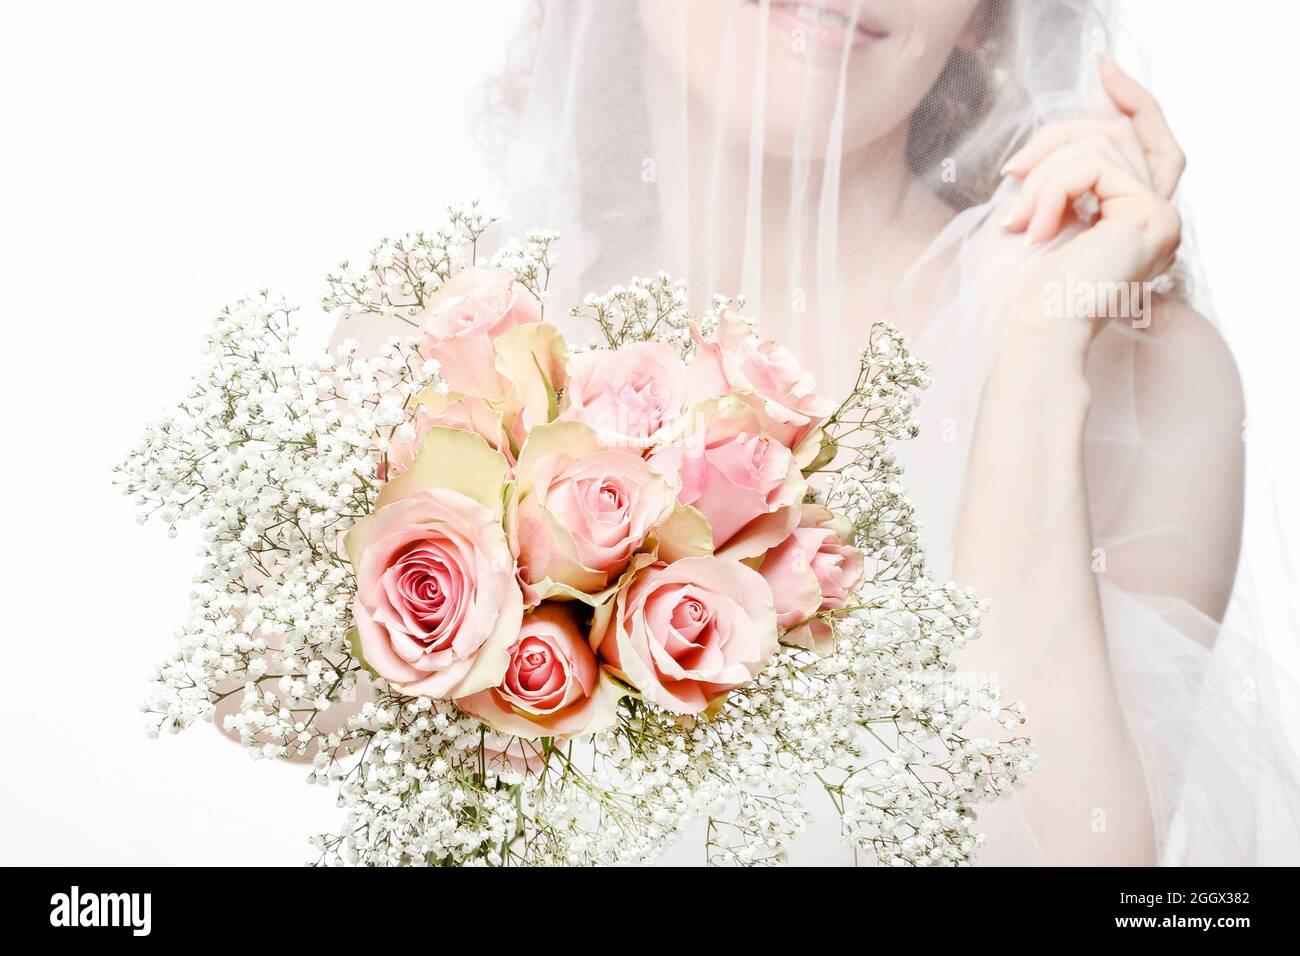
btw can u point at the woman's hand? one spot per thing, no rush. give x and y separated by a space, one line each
1132 164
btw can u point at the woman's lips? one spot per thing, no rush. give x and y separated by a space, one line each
826 24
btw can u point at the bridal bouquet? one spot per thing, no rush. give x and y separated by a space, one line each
531 603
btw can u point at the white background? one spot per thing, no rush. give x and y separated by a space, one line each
160 160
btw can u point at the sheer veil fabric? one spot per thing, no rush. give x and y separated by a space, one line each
838 177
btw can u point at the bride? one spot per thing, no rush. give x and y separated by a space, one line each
973 172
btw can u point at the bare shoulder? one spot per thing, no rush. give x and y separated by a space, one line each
1176 322
1185 374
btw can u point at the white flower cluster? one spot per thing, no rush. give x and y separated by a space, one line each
531 261
274 458
643 310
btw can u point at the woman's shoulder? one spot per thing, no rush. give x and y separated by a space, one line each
1184 370
1171 376
1175 322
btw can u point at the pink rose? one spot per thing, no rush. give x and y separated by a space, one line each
437 602
629 395
580 511
839 565
812 571
687 633
462 320
552 686
767 376
463 412
746 483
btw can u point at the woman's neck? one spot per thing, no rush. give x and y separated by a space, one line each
873 214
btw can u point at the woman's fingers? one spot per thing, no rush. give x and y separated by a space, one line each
1142 135
1089 172
1053 136
1137 226
1164 157
1030 197
1131 164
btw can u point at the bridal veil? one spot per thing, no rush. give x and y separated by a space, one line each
750 153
